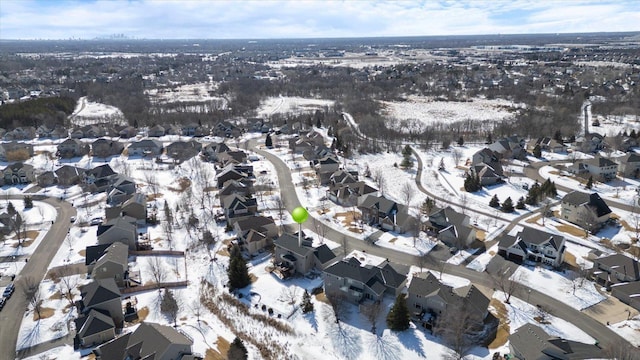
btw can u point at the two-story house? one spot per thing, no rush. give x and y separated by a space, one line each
293 255
380 211
363 283
533 245
588 211
146 147
255 233
103 148
600 168
451 227
18 173
628 165
71 148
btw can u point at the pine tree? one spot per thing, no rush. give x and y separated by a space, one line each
169 306
237 350
28 202
520 205
268 143
489 139
406 163
460 141
237 271
11 210
307 305
494 202
507 205
406 151
398 317
589 183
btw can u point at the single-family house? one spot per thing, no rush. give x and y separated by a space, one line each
451 227
149 341
616 268
325 167
601 168
628 293
135 206
211 151
71 148
100 178
236 187
533 245
46 178
230 172
512 147
426 295
145 147
113 264
530 341
94 328
193 129
550 145
231 157
380 211
183 150
226 129
349 193
121 229
127 132
293 255
237 207
68 175
588 211
255 233
104 296
364 283
18 173
156 131
629 165
103 148
590 143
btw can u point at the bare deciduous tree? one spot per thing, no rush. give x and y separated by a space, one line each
503 281
460 327
378 179
157 271
407 192
372 312
338 302
289 294
66 281
32 293
457 155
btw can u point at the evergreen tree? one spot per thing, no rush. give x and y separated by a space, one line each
589 183
494 203
237 271
489 139
427 206
520 205
268 142
28 202
537 152
507 205
307 305
169 306
237 350
460 141
633 134
398 317
11 210
167 212
406 151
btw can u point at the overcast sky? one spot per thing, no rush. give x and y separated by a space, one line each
62 19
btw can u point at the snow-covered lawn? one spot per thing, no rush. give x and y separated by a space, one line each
559 286
481 261
89 112
38 220
628 329
291 104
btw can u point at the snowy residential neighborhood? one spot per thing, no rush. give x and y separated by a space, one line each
301 231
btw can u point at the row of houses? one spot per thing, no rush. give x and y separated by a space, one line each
102 318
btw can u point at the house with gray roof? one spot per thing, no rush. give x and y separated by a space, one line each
121 229
348 193
18 173
237 207
451 227
211 151
145 147
628 293
616 268
104 296
292 256
68 175
113 264
134 205
533 245
255 233
531 342
156 131
182 151
236 187
71 148
150 341
230 172
94 328
628 165
380 211
364 283
103 148
601 168
588 211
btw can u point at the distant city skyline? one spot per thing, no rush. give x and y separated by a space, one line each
242 19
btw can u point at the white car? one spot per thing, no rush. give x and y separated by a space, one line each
95 221
73 219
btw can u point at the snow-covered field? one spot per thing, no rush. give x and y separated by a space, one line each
89 112
417 113
290 104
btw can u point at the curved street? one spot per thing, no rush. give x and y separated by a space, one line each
605 336
12 314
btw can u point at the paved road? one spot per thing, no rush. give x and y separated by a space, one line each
589 325
12 314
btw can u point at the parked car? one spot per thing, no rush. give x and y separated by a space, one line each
73 219
8 291
2 301
95 221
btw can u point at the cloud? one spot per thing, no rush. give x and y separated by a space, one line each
312 18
